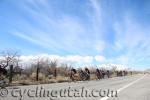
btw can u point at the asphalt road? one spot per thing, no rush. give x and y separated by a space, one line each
135 87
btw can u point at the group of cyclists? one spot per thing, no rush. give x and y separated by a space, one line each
83 75
102 73
80 75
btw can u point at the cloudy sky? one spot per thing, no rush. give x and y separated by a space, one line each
81 31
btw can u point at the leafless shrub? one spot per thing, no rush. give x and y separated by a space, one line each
8 57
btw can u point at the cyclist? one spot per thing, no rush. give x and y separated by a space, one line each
87 72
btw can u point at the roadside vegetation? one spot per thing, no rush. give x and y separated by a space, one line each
44 71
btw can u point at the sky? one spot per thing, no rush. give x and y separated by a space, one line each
78 31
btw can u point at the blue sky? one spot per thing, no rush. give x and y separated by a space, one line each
109 31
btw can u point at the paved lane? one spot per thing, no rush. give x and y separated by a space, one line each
138 91
130 88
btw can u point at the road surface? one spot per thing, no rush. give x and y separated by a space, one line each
135 87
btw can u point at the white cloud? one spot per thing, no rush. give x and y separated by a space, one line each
130 33
57 31
115 66
96 16
75 60
99 46
71 59
132 41
64 33
100 58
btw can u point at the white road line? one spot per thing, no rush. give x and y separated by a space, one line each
124 87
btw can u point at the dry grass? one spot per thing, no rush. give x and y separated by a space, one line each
61 79
93 77
31 80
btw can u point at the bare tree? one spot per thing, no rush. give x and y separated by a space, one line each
8 57
53 64
53 68
38 68
64 69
